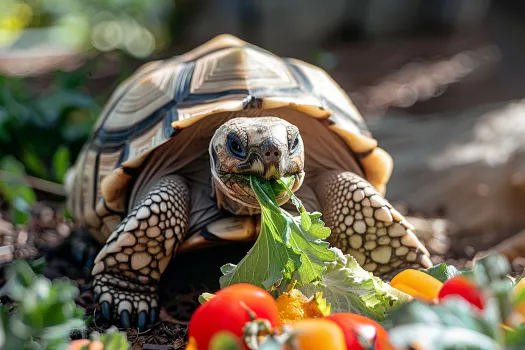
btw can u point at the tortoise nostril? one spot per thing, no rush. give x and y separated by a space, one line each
267 154
276 153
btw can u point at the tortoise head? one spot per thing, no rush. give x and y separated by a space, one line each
268 147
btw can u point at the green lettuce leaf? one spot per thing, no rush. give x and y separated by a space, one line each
442 272
350 288
286 245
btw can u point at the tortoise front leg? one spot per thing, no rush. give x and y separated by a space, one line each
128 268
366 226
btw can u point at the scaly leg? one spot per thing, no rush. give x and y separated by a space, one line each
128 268
366 226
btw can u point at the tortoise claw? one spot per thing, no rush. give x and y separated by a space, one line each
153 315
125 319
143 317
106 310
131 305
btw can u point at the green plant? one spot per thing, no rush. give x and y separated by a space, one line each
15 190
43 313
454 323
134 26
45 130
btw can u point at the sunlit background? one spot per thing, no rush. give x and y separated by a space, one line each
440 83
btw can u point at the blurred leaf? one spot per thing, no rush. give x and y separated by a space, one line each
20 277
16 192
37 265
454 319
490 274
515 338
33 163
114 340
2 332
44 312
442 271
61 163
224 340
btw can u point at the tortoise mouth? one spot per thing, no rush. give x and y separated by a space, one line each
237 187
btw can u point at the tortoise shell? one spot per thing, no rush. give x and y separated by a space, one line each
163 97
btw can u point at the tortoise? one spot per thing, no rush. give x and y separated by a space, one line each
165 168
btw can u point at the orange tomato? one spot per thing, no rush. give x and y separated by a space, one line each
317 334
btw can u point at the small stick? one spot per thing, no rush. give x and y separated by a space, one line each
34 182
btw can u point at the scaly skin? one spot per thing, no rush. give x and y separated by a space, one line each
366 226
129 266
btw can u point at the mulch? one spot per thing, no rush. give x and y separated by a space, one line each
52 236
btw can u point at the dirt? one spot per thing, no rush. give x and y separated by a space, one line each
52 236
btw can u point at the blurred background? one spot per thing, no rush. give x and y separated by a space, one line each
440 82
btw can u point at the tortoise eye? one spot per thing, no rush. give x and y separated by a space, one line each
295 143
235 148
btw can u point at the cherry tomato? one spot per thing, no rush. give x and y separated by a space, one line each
463 287
225 311
353 324
316 334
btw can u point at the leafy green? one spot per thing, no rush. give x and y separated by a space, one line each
112 339
15 191
350 288
44 313
454 323
442 271
224 340
61 162
285 246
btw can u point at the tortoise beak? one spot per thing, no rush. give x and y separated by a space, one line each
272 171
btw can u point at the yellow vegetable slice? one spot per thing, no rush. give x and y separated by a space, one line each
411 291
418 282
294 305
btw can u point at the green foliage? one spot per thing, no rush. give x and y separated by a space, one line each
61 163
46 129
350 288
442 272
455 324
44 312
112 339
293 250
16 191
134 26
225 340
284 247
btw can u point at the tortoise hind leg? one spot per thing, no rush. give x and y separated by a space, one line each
366 226
128 268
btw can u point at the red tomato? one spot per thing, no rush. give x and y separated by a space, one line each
463 287
225 312
353 324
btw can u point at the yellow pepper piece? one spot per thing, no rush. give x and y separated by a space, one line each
410 291
294 305
192 344
417 284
